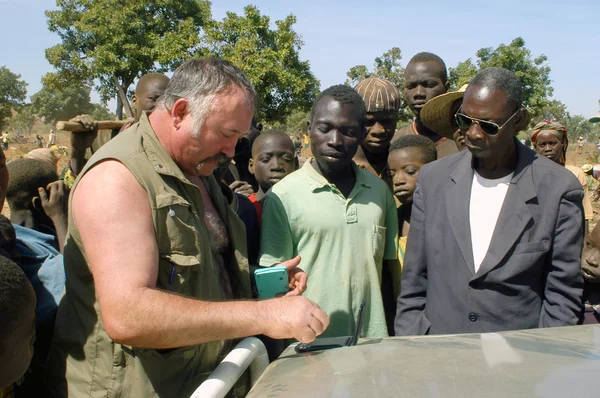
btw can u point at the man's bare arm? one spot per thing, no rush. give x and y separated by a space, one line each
113 216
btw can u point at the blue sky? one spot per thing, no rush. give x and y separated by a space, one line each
339 35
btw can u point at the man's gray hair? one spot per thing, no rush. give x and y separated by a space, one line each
199 81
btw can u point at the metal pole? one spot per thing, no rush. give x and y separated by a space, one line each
250 352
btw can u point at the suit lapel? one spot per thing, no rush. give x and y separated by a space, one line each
515 215
457 208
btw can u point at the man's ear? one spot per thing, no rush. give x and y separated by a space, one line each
259 127
522 120
447 86
251 166
36 202
134 100
308 127
179 110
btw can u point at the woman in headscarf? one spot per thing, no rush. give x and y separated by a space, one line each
550 139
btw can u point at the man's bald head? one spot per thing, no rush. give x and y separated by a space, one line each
149 88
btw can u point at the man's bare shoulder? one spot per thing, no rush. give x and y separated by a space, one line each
406 130
109 183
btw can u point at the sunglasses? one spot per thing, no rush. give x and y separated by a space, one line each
465 122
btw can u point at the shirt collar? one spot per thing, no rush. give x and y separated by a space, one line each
161 160
317 181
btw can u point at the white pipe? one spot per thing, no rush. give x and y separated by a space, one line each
249 352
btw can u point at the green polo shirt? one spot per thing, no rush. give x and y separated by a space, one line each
342 241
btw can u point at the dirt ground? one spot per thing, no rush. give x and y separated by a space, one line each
18 150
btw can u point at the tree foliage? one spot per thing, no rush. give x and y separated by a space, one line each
103 39
389 67
269 57
13 92
100 112
22 120
54 103
534 73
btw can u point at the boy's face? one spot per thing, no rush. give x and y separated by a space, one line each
272 160
380 130
19 347
335 131
590 259
404 165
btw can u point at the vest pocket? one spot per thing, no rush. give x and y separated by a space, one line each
177 226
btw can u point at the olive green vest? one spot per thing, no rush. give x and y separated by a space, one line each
94 365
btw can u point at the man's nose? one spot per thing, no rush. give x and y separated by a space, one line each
419 92
475 133
377 128
335 139
276 164
593 259
398 179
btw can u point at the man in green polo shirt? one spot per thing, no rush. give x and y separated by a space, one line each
339 218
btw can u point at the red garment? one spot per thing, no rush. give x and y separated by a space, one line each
258 207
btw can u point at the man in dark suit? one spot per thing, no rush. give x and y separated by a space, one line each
496 231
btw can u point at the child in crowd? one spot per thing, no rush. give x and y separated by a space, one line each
273 158
407 155
590 268
17 325
38 213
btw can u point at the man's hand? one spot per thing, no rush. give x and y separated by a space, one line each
296 317
297 277
54 200
81 141
242 187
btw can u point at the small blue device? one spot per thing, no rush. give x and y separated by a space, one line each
271 281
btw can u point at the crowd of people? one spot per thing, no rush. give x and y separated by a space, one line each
131 270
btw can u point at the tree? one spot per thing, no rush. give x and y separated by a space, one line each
100 112
104 40
13 92
54 103
295 123
389 67
533 72
269 57
22 120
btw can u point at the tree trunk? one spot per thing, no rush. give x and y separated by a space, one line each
119 110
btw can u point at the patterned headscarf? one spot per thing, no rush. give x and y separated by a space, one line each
379 95
554 128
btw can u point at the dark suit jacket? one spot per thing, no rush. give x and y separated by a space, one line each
530 276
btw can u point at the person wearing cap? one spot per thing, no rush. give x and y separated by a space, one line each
425 78
550 140
438 116
594 172
382 101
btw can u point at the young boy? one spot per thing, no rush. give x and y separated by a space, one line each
17 325
38 213
407 155
339 218
273 158
590 268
